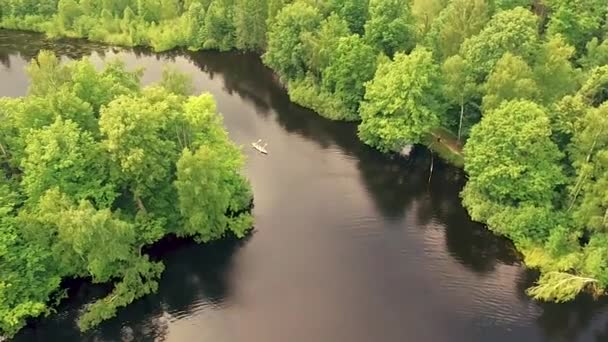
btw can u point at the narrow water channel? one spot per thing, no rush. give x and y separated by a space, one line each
349 245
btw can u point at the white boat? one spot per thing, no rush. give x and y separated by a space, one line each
260 148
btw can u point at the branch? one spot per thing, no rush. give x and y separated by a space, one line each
140 204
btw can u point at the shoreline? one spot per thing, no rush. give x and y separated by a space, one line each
440 141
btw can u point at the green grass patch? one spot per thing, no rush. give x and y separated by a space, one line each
446 145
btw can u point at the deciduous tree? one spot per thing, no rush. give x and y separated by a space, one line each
401 102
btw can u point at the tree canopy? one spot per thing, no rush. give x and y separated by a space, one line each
401 104
95 167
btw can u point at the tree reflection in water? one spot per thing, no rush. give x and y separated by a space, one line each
195 278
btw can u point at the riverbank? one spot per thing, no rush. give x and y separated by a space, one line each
446 145
112 208
441 141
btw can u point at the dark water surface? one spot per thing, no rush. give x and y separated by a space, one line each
349 245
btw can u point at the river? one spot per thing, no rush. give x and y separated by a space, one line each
349 244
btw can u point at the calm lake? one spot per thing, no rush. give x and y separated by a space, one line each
349 244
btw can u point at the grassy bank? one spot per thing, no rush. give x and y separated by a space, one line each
446 145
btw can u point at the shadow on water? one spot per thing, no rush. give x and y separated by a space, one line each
389 180
197 277
582 319
394 182
27 45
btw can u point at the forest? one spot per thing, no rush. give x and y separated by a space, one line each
93 169
522 85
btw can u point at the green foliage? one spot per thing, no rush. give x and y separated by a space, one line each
67 12
138 280
28 275
560 286
355 12
196 25
320 45
220 32
64 157
458 21
511 79
390 27
353 63
91 160
577 20
555 75
513 31
306 92
589 155
510 158
250 22
176 82
564 116
597 53
401 103
46 74
502 5
459 87
595 88
285 52
426 12
133 129
274 7
206 182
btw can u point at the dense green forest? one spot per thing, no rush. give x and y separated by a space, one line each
523 84
93 167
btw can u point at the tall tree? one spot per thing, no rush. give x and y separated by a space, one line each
170 9
321 44
595 88
391 26
46 74
355 12
196 21
597 53
459 20
176 82
210 172
274 7
554 73
137 146
512 31
67 12
577 20
150 10
352 65
458 85
220 32
589 154
511 79
425 12
64 157
401 102
511 160
285 52
250 23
